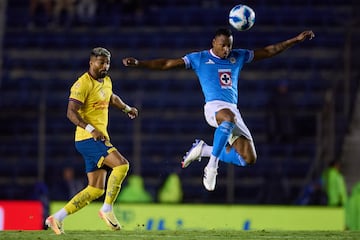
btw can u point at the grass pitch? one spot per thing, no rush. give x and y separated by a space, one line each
181 235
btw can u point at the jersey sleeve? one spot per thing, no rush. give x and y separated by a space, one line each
249 55
191 59
78 91
246 54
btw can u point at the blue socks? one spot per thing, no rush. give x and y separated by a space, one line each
232 157
221 136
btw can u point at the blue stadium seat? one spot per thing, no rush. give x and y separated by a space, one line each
171 24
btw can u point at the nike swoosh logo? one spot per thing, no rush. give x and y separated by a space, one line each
114 225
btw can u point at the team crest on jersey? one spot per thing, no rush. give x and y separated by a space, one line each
225 78
102 93
232 60
77 84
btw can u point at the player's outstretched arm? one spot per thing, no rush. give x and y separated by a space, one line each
159 64
274 49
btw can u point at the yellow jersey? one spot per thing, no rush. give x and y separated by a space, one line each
94 97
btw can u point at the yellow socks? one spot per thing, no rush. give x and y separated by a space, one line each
83 198
90 193
114 183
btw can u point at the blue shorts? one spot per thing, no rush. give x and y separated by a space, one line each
94 152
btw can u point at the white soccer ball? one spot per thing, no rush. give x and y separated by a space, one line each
242 17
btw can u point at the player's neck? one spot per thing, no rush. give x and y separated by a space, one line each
95 78
213 54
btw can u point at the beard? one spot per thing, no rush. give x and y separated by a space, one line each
102 74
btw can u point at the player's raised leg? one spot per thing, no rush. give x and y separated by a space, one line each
120 167
221 137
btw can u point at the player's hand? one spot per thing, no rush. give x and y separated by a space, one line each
133 113
130 62
305 35
98 136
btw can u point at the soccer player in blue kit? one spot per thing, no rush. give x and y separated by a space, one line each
218 70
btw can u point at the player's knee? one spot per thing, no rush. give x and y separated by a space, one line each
250 159
225 115
121 170
251 155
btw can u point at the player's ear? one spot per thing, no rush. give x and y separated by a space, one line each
213 41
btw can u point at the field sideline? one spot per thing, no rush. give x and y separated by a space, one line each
181 235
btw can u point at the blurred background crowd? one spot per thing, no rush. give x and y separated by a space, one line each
301 106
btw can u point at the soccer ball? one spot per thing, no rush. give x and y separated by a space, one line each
242 17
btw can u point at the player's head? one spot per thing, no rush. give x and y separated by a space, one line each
222 42
99 62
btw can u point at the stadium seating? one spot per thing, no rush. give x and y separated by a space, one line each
40 65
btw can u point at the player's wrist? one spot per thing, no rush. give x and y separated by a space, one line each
90 128
126 109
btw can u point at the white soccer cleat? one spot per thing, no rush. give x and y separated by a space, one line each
55 225
209 179
193 154
110 220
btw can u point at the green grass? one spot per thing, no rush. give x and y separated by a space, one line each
182 235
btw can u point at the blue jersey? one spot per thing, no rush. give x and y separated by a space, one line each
218 77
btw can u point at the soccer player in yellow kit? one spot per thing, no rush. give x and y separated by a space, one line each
90 97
